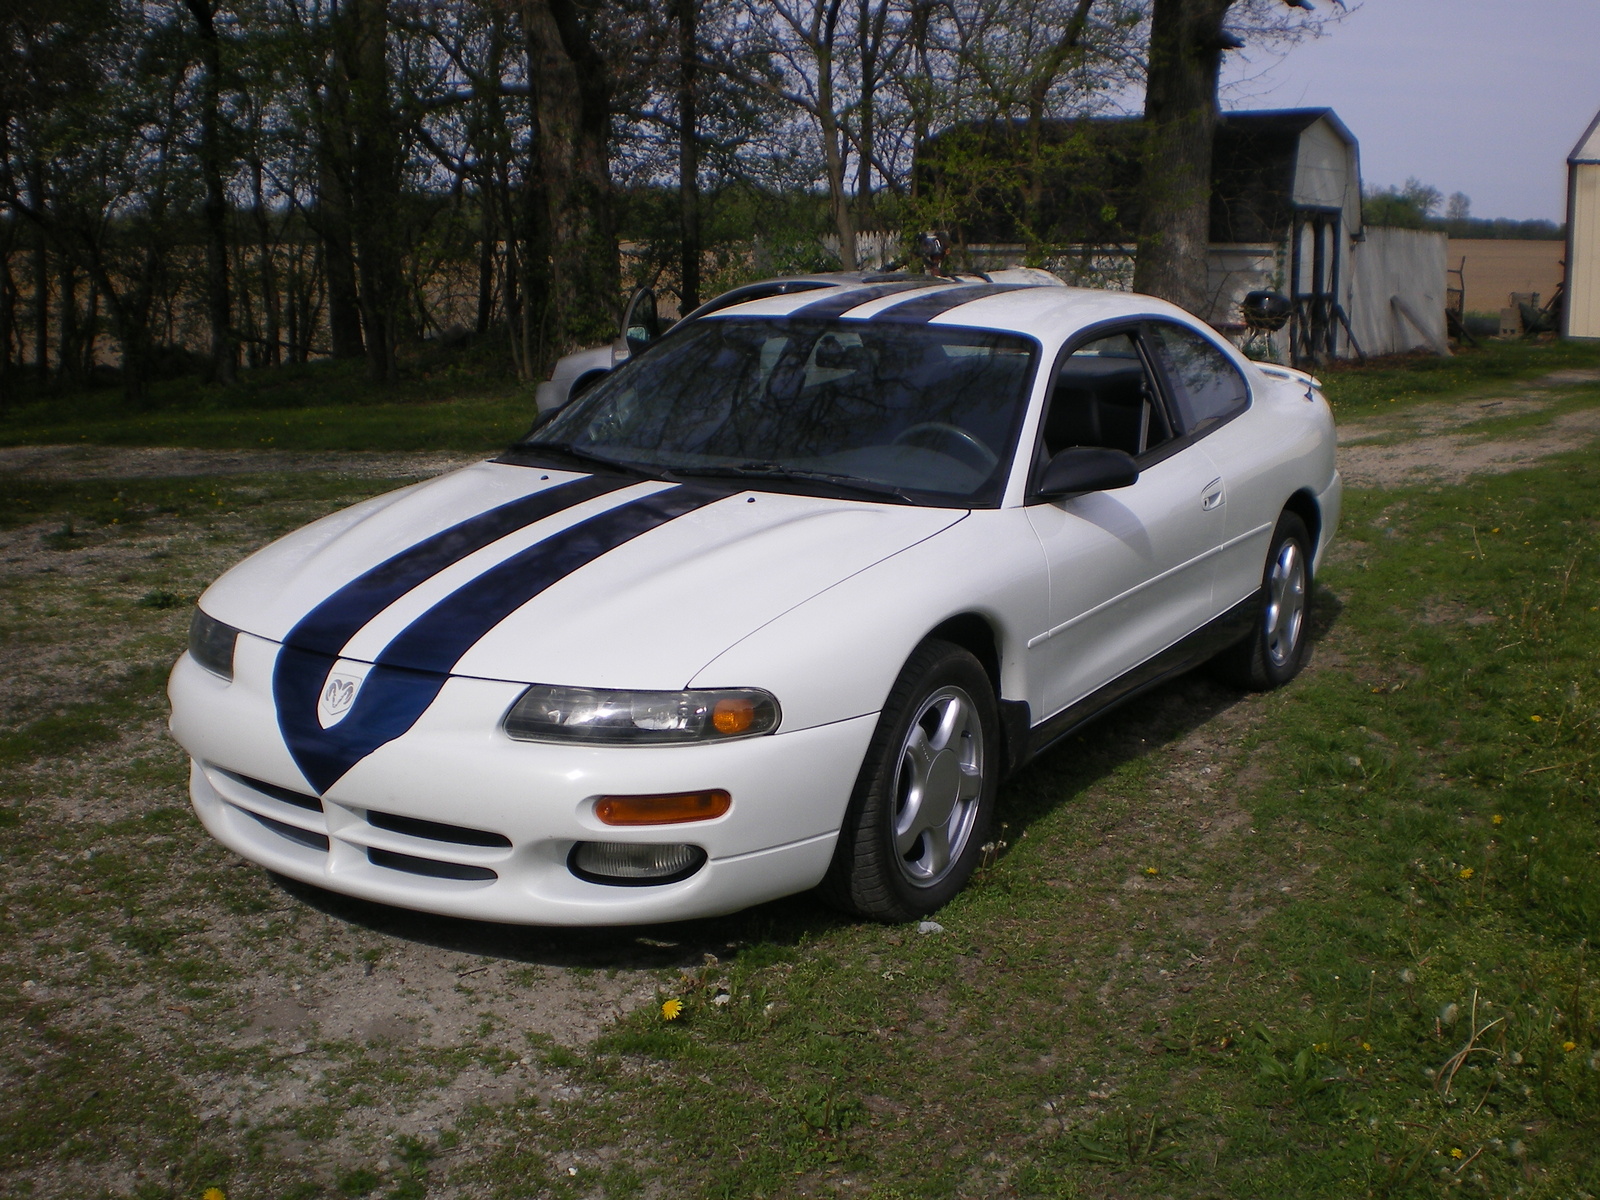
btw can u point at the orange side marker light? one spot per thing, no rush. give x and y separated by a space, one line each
672 809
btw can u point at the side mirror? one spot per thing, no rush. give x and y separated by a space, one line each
640 324
1087 469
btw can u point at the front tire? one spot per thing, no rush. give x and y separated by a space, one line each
917 820
1276 649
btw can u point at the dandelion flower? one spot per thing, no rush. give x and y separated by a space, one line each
1465 872
1367 1046
213 1193
1536 717
1455 1152
1151 871
1569 1047
672 1009
1498 819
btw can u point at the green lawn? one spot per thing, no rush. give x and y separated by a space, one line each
1360 388
1375 984
442 402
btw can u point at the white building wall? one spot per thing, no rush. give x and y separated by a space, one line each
1583 235
1326 173
1396 272
1583 252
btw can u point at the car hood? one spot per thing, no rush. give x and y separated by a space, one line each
543 576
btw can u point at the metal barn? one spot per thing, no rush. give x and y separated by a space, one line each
1582 306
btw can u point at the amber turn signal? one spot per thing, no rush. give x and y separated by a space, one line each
673 809
733 714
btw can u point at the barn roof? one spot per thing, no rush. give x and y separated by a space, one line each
1588 148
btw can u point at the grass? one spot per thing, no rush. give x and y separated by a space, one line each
442 401
1356 389
1332 941
1414 1014
84 506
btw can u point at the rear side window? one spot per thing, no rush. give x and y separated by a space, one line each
1207 388
1102 397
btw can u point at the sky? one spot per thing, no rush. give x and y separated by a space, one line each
1486 97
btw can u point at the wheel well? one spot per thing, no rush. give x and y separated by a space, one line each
976 636
1303 505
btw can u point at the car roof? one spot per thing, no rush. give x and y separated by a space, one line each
1048 312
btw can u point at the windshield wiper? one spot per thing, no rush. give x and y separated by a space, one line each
588 458
777 470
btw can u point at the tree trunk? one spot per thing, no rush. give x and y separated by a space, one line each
69 354
272 351
870 25
339 266
486 256
41 280
573 109
8 321
294 284
688 157
91 333
833 150
1186 45
332 214
921 15
224 347
375 187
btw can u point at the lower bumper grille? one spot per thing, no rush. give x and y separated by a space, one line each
438 831
298 799
412 845
428 866
317 841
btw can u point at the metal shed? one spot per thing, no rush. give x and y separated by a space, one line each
1582 308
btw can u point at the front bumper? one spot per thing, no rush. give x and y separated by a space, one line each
456 818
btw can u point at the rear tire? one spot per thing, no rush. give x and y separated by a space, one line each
920 812
1276 649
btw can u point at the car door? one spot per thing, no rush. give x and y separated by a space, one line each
1208 392
1131 568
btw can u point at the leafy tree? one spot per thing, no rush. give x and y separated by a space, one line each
1407 207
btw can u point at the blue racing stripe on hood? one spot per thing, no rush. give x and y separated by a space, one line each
327 627
413 668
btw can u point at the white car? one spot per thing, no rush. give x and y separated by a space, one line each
775 605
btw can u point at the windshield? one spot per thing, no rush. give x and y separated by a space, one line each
923 412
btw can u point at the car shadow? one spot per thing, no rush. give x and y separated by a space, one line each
784 922
1166 714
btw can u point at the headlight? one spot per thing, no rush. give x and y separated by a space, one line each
211 644
570 714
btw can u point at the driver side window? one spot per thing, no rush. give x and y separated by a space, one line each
1103 396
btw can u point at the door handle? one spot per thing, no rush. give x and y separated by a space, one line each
1211 495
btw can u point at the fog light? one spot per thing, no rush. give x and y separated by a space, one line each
633 864
670 809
